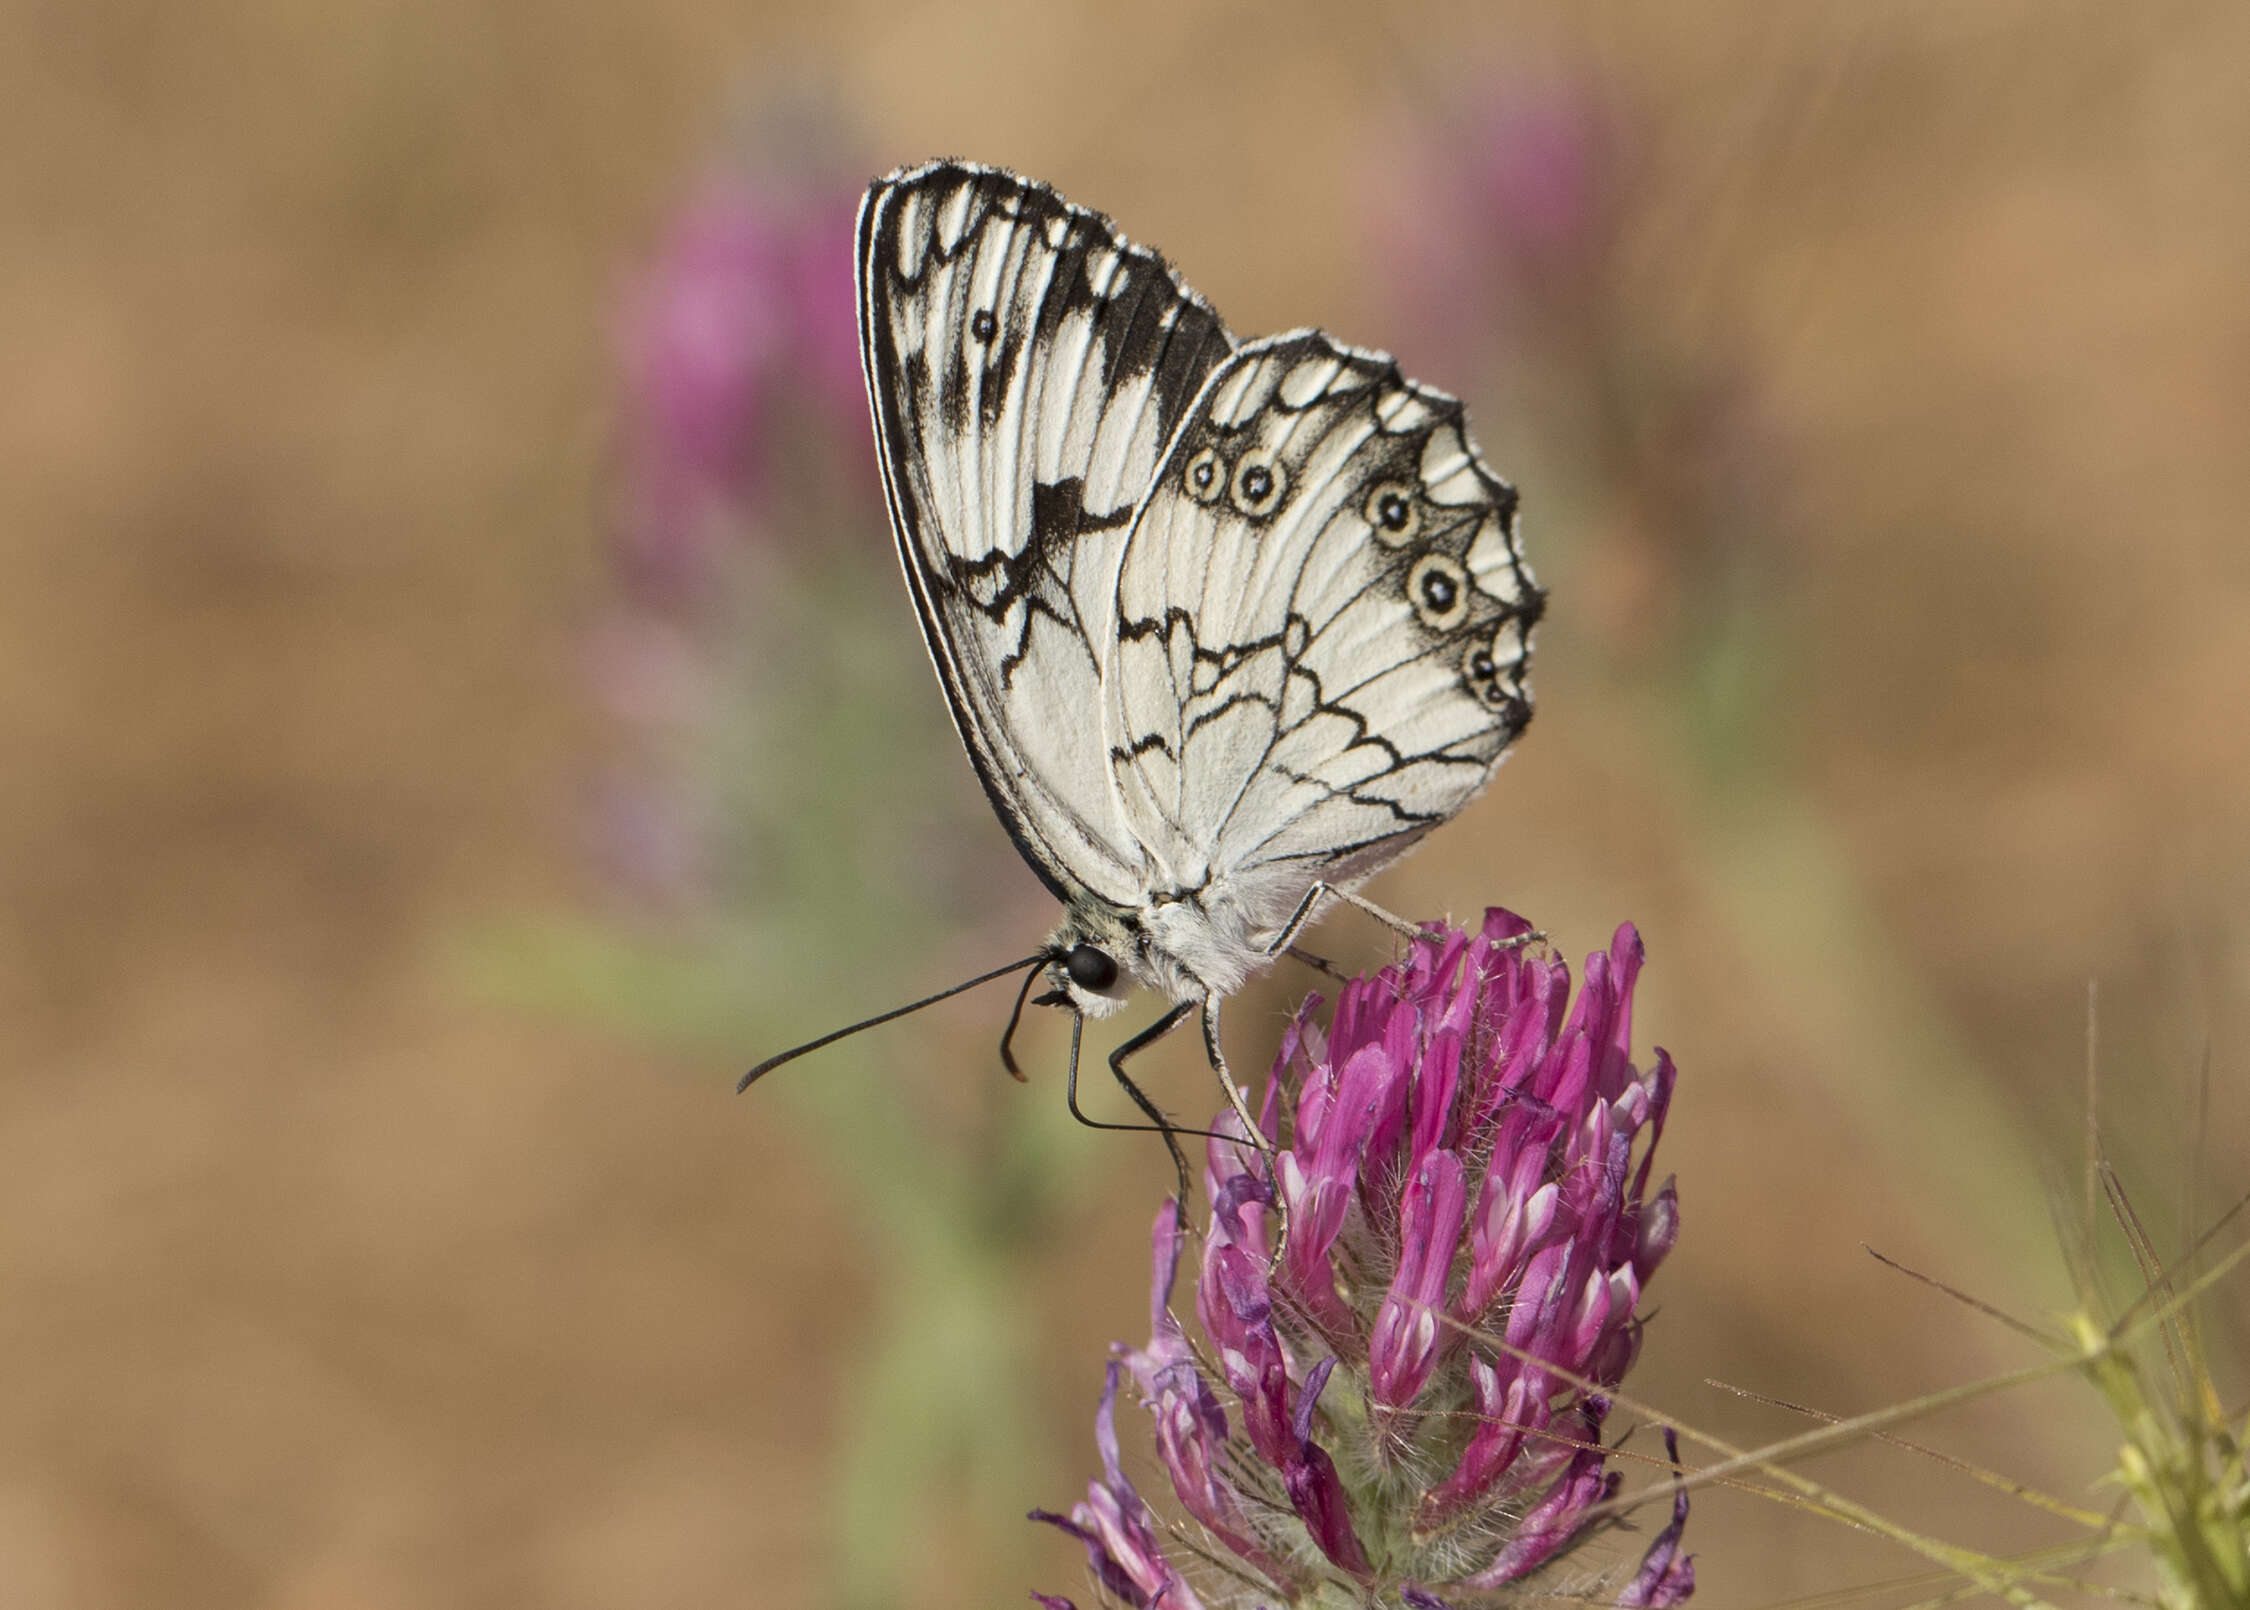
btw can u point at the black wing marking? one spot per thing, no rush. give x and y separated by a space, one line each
1026 366
1323 625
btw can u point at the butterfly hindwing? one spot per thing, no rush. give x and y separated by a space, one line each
1026 366
1321 628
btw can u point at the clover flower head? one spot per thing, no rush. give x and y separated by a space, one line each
1401 1401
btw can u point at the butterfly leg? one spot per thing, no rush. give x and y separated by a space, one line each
1250 1126
1311 903
1319 964
1163 1125
1298 919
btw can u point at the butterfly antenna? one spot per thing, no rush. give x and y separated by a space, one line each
771 1063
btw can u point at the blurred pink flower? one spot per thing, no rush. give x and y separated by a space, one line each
741 414
1511 213
741 325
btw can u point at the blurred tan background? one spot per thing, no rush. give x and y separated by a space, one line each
340 1268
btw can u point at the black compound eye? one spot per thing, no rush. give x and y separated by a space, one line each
983 325
1090 967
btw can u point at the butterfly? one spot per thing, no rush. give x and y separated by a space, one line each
1225 626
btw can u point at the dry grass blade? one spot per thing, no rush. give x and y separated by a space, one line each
2202 1283
2043 1562
2025 1328
2153 1275
1990 1478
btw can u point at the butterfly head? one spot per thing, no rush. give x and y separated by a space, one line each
1087 963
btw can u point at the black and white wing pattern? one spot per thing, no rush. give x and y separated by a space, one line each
1027 366
1322 628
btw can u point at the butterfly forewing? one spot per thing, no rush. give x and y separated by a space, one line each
1027 367
1322 625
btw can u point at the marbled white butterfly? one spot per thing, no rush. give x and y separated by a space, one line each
1225 626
